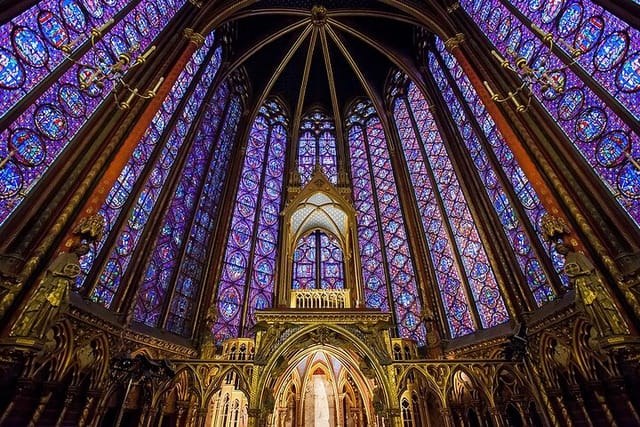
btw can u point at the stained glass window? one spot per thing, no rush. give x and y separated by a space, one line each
250 255
604 138
171 241
481 153
317 145
384 250
318 262
192 269
164 155
42 129
457 253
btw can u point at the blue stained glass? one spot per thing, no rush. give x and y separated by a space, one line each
449 277
551 10
611 51
317 145
628 76
570 104
382 243
589 34
72 101
118 45
29 147
142 23
73 15
264 156
11 71
570 19
111 209
613 149
153 14
48 113
10 180
628 180
608 44
51 121
29 46
52 28
169 243
192 269
94 7
590 124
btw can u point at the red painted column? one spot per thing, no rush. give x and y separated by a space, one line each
522 157
108 180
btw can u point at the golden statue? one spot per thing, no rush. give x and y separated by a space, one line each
51 297
591 295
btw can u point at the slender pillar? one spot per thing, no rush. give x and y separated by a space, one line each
86 410
121 158
40 409
496 416
563 409
575 391
597 391
528 167
447 417
71 394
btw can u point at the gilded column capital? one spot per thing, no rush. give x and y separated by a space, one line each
194 37
454 42
454 6
553 227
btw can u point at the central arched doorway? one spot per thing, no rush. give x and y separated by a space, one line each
323 388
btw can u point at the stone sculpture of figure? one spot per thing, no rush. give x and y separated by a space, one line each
51 296
205 338
591 295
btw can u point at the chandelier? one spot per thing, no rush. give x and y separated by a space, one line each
538 75
104 69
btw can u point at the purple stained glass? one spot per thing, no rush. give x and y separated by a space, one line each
381 228
262 280
48 114
440 246
171 239
304 263
471 251
610 46
607 43
317 145
133 170
264 159
36 38
513 228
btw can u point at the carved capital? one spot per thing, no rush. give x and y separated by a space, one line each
553 227
454 42
193 37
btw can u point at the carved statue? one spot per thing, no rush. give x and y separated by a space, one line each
591 295
51 296
205 338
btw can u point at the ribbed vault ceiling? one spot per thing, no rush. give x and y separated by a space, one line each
320 53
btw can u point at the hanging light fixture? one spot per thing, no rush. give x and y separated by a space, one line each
532 75
99 73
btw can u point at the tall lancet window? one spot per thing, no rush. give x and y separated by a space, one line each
133 197
598 106
466 280
317 145
247 279
487 148
42 105
318 262
192 199
387 267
